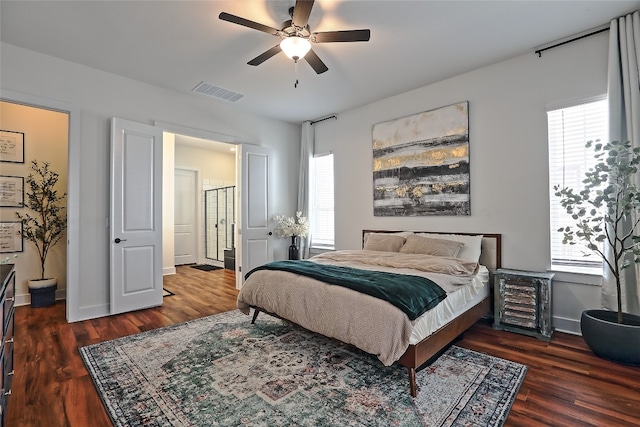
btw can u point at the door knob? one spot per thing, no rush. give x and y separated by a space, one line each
118 240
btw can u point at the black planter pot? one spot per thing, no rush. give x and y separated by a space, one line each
617 342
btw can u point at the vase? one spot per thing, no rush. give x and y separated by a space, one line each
617 342
294 252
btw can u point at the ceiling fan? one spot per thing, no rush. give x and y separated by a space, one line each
297 36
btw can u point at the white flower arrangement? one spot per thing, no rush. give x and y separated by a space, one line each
289 226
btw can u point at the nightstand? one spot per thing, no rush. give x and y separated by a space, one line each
522 302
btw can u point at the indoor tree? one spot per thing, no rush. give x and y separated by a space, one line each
46 225
606 210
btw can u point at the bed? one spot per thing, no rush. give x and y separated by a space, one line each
459 263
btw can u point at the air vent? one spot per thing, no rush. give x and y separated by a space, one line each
217 92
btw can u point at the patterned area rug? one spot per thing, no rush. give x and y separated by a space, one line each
222 371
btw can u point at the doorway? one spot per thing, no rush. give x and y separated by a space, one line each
202 165
31 133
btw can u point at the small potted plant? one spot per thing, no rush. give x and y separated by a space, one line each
292 227
607 217
44 226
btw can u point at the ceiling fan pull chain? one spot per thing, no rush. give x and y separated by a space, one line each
295 70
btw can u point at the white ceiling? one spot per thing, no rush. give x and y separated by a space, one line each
178 44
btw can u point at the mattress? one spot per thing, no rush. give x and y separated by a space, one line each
456 303
459 298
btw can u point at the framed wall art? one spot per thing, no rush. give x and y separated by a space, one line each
11 236
11 146
421 164
11 191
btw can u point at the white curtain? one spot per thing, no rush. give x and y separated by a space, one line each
306 152
624 125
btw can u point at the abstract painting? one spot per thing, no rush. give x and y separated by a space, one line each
421 164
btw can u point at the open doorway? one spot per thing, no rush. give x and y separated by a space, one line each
201 167
31 133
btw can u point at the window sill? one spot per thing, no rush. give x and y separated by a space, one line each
581 275
315 250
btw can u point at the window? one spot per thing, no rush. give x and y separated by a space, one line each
321 217
569 129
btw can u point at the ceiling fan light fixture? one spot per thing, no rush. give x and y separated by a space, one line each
295 47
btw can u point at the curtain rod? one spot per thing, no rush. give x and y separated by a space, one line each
323 119
592 33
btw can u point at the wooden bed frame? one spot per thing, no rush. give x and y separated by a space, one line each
422 352
418 354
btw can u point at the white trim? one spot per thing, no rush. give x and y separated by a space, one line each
578 277
566 325
196 133
73 191
168 271
324 153
572 102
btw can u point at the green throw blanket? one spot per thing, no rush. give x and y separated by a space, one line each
414 295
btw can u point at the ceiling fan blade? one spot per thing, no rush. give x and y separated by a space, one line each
245 22
341 36
315 62
266 55
301 12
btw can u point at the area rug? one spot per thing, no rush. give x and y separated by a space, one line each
206 267
223 371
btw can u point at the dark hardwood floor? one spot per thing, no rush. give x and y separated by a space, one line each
565 385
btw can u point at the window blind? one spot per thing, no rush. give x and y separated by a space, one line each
322 202
569 130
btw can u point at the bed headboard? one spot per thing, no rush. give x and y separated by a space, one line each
491 250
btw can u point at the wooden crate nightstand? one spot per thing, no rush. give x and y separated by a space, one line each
522 302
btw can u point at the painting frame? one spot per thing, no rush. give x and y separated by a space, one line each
11 146
11 191
11 240
421 164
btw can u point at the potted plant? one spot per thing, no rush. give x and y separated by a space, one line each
44 227
607 215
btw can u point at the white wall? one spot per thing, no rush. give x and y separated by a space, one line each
215 167
509 156
100 96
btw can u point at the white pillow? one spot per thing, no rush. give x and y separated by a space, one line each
472 244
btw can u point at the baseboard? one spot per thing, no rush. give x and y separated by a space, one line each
569 326
22 299
25 299
168 271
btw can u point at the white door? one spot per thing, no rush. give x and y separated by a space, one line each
185 217
136 216
255 201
